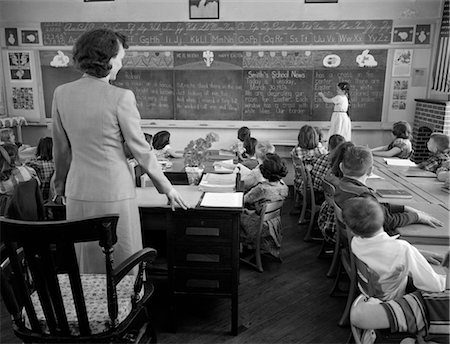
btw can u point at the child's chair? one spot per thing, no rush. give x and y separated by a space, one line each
270 216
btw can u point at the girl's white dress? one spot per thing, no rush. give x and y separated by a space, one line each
340 122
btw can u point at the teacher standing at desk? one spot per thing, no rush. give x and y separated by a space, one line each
91 121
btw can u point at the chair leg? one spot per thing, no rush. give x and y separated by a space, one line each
308 235
345 318
336 290
335 262
302 218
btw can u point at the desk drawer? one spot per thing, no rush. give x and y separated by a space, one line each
203 228
202 256
202 282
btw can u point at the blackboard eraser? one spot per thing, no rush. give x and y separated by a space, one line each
152 123
203 125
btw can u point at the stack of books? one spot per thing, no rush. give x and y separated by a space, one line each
212 182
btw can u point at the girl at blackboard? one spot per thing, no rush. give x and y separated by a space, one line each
401 146
340 120
161 145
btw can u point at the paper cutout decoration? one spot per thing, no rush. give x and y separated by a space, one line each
366 59
208 57
11 37
331 61
60 60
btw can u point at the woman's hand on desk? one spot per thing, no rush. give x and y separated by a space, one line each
424 218
174 197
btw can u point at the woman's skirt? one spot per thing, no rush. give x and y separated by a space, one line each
129 237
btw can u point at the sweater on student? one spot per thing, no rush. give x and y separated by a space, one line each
394 215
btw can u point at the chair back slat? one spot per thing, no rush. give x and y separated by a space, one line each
48 251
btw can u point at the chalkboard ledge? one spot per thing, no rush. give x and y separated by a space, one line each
263 125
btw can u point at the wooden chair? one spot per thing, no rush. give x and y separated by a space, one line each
347 266
50 301
269 211
329 191
309 205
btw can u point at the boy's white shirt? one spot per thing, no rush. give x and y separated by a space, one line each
387 256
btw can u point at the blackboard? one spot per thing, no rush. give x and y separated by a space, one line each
242 33
241 85
153 89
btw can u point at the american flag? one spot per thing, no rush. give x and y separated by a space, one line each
441 74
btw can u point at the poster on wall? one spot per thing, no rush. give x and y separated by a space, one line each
403 34
402 62
399 94
11 37
30 37
23 98
19 65
423 33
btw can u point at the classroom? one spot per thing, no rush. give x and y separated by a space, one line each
200 71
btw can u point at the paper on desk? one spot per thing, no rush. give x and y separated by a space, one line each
223 199
399 162
374 176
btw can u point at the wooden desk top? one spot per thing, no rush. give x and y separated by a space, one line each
423 189
422 234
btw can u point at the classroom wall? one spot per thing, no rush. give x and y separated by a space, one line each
29 13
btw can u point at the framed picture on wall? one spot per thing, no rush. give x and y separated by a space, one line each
11 37
203 9
19 63
30 37
403 34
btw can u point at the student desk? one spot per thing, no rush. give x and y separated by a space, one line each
429 189
422 234
202 246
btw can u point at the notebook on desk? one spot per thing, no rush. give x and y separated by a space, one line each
399 162
393 193
417 172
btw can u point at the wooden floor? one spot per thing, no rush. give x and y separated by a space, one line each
288 303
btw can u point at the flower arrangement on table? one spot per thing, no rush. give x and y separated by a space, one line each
197 151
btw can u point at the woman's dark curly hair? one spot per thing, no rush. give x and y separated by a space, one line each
161 139
273 168
44 149
93 50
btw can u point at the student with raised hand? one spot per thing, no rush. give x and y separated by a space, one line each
390 261
439 146
401 146
91 121
356 167
161 145
340 119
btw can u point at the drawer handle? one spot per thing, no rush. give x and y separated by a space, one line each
198 257
202 231
197 283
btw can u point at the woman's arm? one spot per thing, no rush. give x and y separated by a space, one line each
325 99
392 152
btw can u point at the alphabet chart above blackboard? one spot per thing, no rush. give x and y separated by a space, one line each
240 85
245 33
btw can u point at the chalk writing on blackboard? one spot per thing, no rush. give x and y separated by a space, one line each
250 33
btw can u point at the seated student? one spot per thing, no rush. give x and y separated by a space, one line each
401 146
439 146
357 166
307 150
253 177
161 146
7 136
11 172
325 220
390 261
272 189
238 147
422 314
322 167
248 159
443 172
43 164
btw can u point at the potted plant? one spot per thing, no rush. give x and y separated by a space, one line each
195 154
